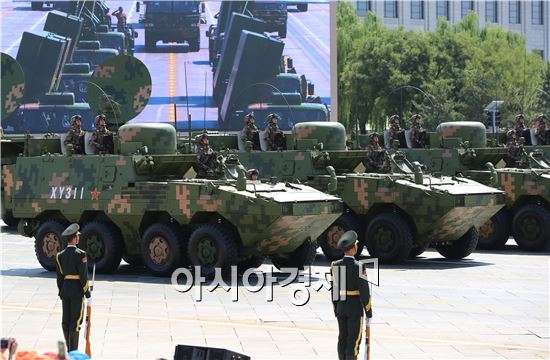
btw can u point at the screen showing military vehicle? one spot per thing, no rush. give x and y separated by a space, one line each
289 115
41 119
93 57
112 41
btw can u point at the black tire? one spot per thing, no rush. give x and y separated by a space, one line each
36 5
195 45
495 232
48 242
150 42
460 248
531 227
301 7
389 238
133 260
417 250
9 220
329 239
161 249
253 262
212 246
282 32
303 256
103 246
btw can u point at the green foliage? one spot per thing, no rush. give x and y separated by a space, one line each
449 74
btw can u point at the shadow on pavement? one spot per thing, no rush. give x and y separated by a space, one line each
9 229
513 249
201 62
163 49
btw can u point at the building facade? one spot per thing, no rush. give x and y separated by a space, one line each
529 18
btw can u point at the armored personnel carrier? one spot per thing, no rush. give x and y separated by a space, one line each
137 204
397 213
461 148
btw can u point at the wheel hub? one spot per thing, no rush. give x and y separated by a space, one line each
333 236
385 239
51 245
95 247
207 252
158 250
531 228
487 229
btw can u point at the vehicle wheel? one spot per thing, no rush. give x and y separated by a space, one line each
531 227
251 263
389 238
161 249
9 220
36 5
133 260
417 250
303 256
212 246
329 239
302 7
495 232
282 32
103 246
460 248
150 42
48 242
195 45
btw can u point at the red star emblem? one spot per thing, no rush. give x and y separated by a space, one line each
95 194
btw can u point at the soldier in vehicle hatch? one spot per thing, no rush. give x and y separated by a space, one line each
375 154
206 158
395 130
102 138
521 129
251 132
75 136
542 130
418 135
514 149
273 135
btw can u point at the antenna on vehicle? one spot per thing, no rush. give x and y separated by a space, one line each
187 101
204 119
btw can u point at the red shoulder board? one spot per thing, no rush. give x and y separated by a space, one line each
84 259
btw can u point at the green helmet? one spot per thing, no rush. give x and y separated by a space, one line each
74 118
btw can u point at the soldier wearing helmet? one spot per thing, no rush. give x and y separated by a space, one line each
520 123
542 132
75 136
395 130
252 174
251 132
375 154
206 158
102 138
273 135
418 135
514 148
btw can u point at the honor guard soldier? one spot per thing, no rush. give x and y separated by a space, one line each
350 297
251 132
75 136
273 135
102 138
72 283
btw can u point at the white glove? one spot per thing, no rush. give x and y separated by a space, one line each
89 302
368 321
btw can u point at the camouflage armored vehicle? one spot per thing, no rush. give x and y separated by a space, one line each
172 21
274 13
461 148
136 203
397 213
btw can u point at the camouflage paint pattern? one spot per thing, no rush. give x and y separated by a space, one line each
13 85
122 89
471 131
331 134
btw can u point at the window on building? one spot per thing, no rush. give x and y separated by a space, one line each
390 9
442 9
417 9
466 7
491 11
515 12
536 12
363 7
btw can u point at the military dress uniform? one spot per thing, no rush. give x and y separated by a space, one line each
350 299
102 141
75 137
72 283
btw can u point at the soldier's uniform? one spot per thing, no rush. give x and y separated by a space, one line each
350 299
72 283
418 135
375 155
102 138
543 131
206 159
251 133
395 130
273 135
75 136
514 149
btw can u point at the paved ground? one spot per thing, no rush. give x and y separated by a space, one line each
307 43
492 305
